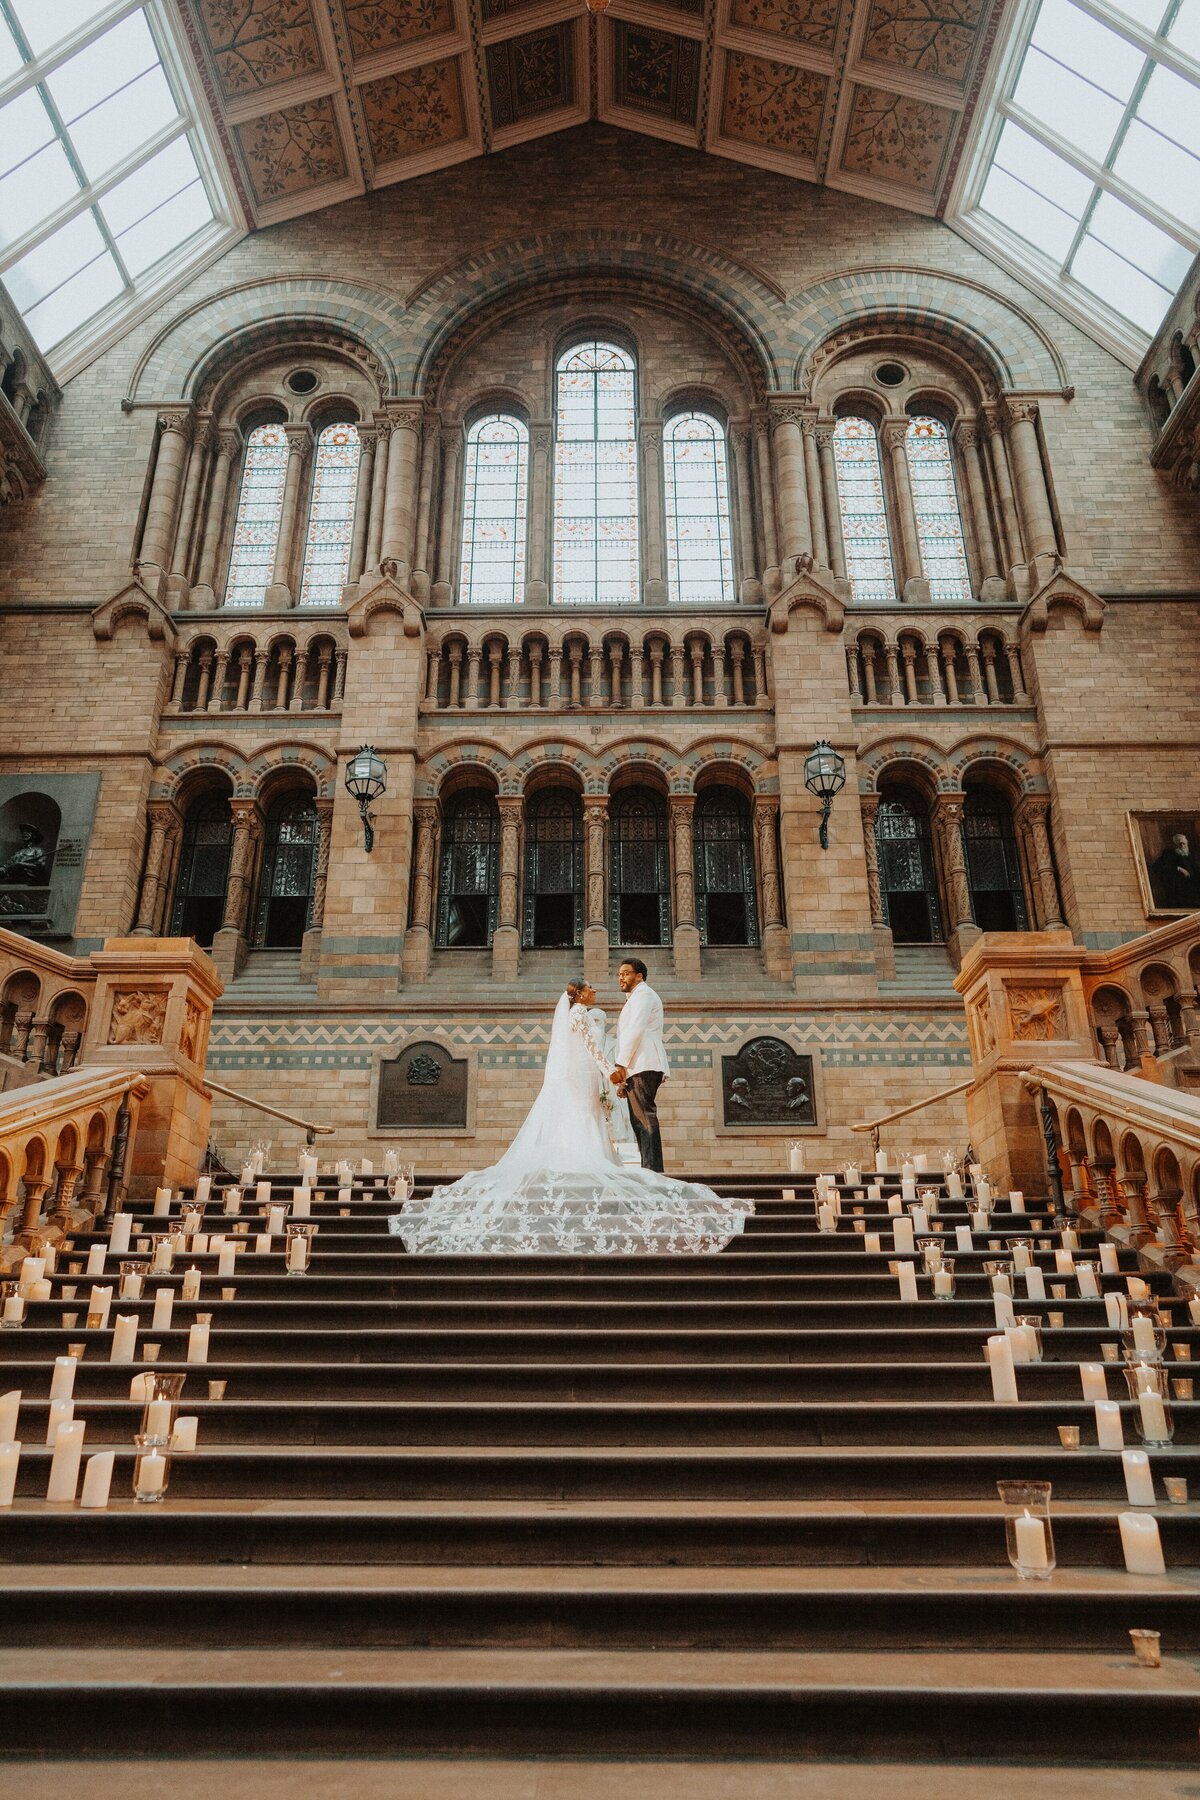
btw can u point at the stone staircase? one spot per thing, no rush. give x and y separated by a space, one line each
735 1511
269 977
921 970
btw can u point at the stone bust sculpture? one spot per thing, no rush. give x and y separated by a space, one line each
29 865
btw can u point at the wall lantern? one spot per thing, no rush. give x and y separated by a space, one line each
824 776
366 779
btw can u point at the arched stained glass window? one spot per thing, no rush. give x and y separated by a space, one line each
699 552
935 501
260 504
864 516
330 516
595 479
496 487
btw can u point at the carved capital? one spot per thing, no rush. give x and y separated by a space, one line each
229 443
894 434
178 421
299 439
1020 412
541 438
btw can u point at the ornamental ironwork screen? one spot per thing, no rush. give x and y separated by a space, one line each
553 910
906 871
639 869
203 870
993 863
723 851
285 891
469 873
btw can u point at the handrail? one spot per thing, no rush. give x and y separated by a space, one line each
902 1112
290 1118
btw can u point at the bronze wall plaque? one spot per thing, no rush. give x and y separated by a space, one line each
422 1088
767 1083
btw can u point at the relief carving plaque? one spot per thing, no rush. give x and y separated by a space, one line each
424 1088
768 1083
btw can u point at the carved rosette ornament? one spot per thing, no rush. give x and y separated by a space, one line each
510 808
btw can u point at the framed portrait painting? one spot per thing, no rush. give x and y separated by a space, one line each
1166 851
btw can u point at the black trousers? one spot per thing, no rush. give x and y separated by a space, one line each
641 1091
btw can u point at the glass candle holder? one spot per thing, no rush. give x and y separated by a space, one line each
1058 1290
167 1387
1068 1436
132 1280
1144 1341
299 1248
1147 1648
150 1352
1028 1536
216 1390
12 1306
1111 1352
151 1471
1183 1387
1148 1389
932 1255
1177 1489
1181 1352
1057 1320
941 1279
1031 1324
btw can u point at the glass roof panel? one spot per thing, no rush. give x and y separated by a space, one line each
1092 50
102 67
1119 284
47 22
10 56
1184 30
149 185
33 191
1146 13
1075 109
54 260
1028 214
1170 104
1040 169
25 126
1125 231
164 229
75 301
1160 171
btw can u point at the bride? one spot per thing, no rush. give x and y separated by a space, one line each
560 1187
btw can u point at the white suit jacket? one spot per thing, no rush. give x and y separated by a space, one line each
639 1033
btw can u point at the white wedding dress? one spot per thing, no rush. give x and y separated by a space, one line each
560 1189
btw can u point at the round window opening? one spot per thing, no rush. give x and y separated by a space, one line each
302 381
890 374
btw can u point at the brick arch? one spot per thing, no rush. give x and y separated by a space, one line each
247 317
273 759
178 770
652 753
749 308
1020 763
709 753
922 753
467 753
966 314
562 755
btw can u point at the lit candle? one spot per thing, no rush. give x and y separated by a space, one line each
983 1189
64 1464
1143 1336
1004 1376
62 1382
902 1236
124 1341
852 1177
954 1186
99 1302
10 1462
118 1237
907 1276
1030 1536
95 1261
1022 1257
1138 1289
32 1270
183 1438
1001 1284
1064 1262
197 1348
1139 1482
162 1207
10 1406
908 1188
943 1283
1091 1376
275 1218
164 1302
233 1201
962 1238
1088 1289
249 1171
1154 1417
164 1257
97 1480
795 1158
203 1189
308 1165
262 1193
158 1419
131 1286
881 1161
1109 1434
1141 1544
301 1203
49 1259
191 1284
920 1219
1035 1283
61 1413
1016 1200
1110 1259
297 1250
1002 1309
151 1472
871 1242
14 1309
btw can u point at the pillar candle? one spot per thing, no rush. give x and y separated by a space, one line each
162 1207
826 1219
140 1388
943 1282
10 1462
203 1189
1143 1336
131 1286
64 1464
345 1194
871 1242
301 1203
50 1259
1110 1259
1088 1287
14 1309
367 1166
788 1194
163 1258
795 1158
158 1418
1139 1482
1092 1379
191 1285
962 1238
907 1171
152 1472
983 1189
1024 1341
874 1190
954 1186
852 1176
39 1290
1016 1200
920 1219
894 1206
1141 1544
197 1348
97 1480
62 1382
902 1236
1021 1257
99 1301
249 1171
10 1406
164 1303
262 1193
1035 1283
1194 1311
61 1413
1109 1434
1138 1289
233 1202
275 1218
881 1161
124 1342
1064 1262
1002 1308
308 1165
908 1188
227 1261
118 1237
921 1163
1001 1285
1030 1534
1154 1416
95 1261
183 1438
907 1277
1004 1378
31 1271
262 1243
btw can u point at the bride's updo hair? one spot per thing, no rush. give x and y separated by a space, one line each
575 991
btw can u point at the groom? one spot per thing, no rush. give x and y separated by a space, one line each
641 1066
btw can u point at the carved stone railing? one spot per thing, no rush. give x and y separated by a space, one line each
257 663
934 658
45 1000
64 1144
1143 1002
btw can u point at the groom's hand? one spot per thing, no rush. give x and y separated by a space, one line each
618 1076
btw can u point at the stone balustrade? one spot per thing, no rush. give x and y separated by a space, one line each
59 1141
1144 999
934 663
230 669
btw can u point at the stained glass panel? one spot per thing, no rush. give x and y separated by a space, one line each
935 501
260 504
496 486
330 517
699 553
595 479
864 517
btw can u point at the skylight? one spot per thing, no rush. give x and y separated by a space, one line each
1087 170
107 187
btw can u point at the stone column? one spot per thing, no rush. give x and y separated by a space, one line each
595 845
182 658
595 664
512 678
766 500
259 682
339 677
575 660
281 683
1035 813
870 678
181 562
1002 482
948 659
989 675
495 656
158 532
909 654
506 939
795 526
885 949
66 1180
686 934
776 946
454 695
933 674
696 652
816 498
421 558
474 656
245 666
400 495
418 944
678 683
368 437
164 820
228 448
433 675
616 658
537 575
554 696
966 439
891 657
383 445
1110 1037
895 438
978 693
220 665
737 652
229 944
300 440
323 806
830 500
31 1212
203 685
963 931
1160 1026
650 445
535 673
324 669
656 667
451 453
1013 658
1037 521
751 588
299 679
853 678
